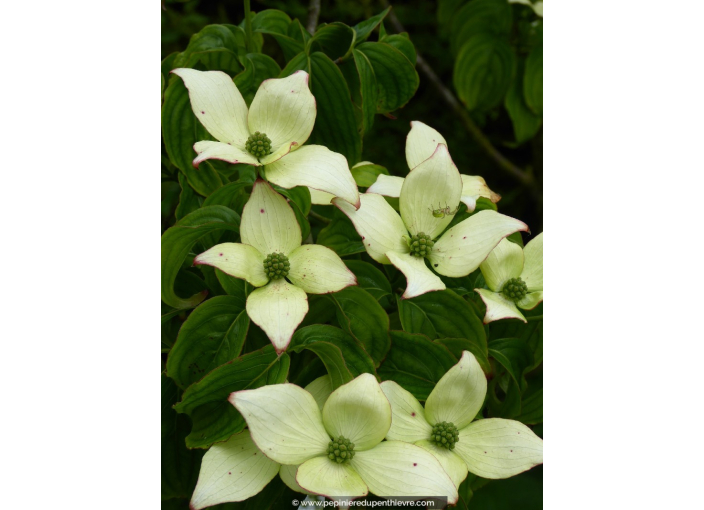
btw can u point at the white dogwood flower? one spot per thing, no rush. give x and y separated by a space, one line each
271 132
515 279
270 253
339 450
407 240
490 448
421 143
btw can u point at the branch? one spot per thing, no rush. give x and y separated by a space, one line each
313 14
461 112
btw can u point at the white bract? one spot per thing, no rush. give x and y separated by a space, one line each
420 145
271 252
490 448
406 240
339 450
281 117
236 469
515 279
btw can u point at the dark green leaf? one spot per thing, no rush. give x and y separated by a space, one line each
444 314
396 77
483 71
212 335
214 418
257 68
227 194
514 355
370 278
271 21
415 363
403 44
344 357
480 16
457 345
365 28
181 130
533 80
334 39
211 37
363 317
179 465
525 122
367 90
176 243
188 201
340 236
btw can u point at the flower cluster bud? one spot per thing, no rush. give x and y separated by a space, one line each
258 145
420 245
515 289
276 265
340 450
445 435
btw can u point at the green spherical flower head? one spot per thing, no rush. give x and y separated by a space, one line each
276 265
515 289
258 145
445 435
420 245
340 450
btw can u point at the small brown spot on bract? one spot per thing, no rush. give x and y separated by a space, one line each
363 237
436 265
511 451
202 112
261 211
369 245
415 464
413 414
484 452
229 472
465 237
221 254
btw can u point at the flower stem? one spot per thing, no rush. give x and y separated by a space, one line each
248 27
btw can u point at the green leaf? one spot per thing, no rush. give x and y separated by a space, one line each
181 131
227 194
212 335
370 278
344 356
483 71
233 286
271 21
533 80
447 11
257 68
176 243
514 355
364 28
492 17
367 90
214 418
211 37
415 363
363 317
179 465
532 408
334 39
366 175
188 201
444 314
396 77
340 236
403 44
525 122
335 124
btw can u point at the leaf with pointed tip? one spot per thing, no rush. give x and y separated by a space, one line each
177 242
212 335
366 27
444 314
214 418
346 361
525 122
334 39
370 278
416 363
533 80
396 77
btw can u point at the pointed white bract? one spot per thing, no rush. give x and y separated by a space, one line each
428 200
287 424
491 448
284 110
269 228
508 261
234 470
